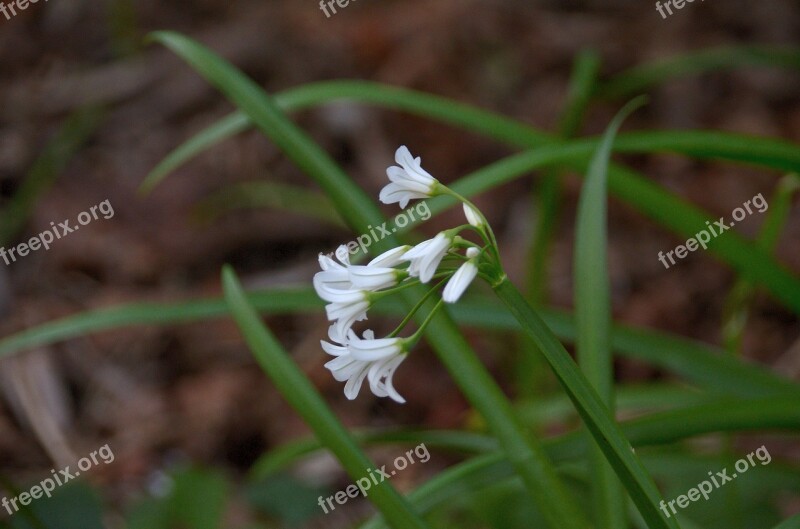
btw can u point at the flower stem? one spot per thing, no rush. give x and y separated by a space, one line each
525 452
486 228
416 307
607 434
414 338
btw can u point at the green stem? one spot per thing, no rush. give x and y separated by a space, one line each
376 295
595 414
414 338
416 307
592 300
485 230
736 308
525 452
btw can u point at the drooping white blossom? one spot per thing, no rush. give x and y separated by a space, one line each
409 181
465 274
425 257
345 306
367 357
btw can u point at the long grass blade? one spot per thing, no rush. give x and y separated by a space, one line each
266 194
640 78
304 398
607 435
736 307
592 300
790 523
706 366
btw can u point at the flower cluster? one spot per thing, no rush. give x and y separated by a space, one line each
350 290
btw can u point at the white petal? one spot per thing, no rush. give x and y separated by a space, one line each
472 216
435 254
385 369
333 334
459 282
413 166
425 257
372 277
391 258
333 279
407 181
343 254
353 385
334 350
344 367
345 318
336 295
418 250
392 193
403 156
327 263
375 349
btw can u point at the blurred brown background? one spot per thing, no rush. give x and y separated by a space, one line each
192 392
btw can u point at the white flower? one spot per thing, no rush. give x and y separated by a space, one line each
369 358
384 355
472 216
345 307
408 181
462 278
333 274
391 258
374 277
425 257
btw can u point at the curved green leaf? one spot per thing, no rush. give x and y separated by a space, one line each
640 78
304 398
704 365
